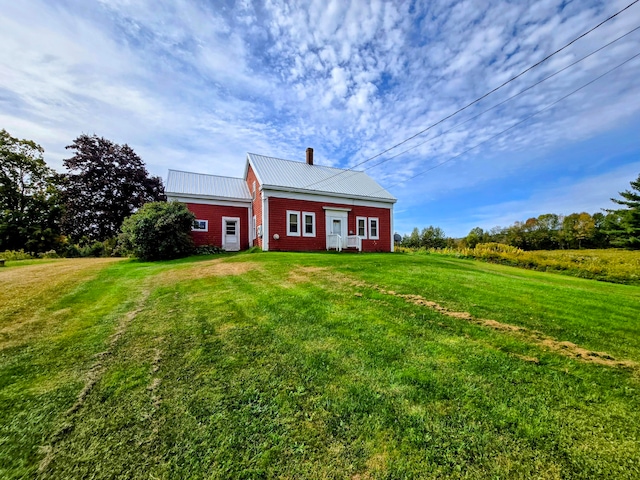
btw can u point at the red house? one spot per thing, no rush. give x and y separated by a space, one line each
287 206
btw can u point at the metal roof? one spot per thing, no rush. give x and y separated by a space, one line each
292 175
199 184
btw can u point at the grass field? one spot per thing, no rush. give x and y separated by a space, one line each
315 366
609 265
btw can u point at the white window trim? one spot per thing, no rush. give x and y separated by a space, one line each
253 228
364 219
377 220
304 224
206 226
297 214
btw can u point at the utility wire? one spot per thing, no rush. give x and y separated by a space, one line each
502 102
512 126
497 104
483 96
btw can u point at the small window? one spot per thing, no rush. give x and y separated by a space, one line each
230 227
361 227
293 223
253 192
373 229
200 226
253 228
309 224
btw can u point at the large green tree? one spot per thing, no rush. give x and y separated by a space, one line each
627 232
29 198
105 184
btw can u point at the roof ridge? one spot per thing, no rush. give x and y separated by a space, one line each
305 163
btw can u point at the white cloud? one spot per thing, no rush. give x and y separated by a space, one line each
198 84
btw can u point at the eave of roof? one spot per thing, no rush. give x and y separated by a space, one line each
325 193
207 197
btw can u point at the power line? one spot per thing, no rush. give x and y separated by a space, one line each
504 101
514 125
483 96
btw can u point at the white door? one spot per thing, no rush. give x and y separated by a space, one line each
231 234
336 225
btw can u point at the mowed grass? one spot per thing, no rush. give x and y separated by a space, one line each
313 366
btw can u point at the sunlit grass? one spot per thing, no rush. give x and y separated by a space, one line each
299 366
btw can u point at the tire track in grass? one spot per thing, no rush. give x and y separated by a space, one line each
568 349
565 348
93 376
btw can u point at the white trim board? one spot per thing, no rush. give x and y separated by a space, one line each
208 201
328 199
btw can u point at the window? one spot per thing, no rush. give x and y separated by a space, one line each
293 223
309 224
373 229
361 227
253 192
200 226
230 227
253 228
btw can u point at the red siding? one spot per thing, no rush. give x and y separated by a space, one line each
278 225
214 214
257 201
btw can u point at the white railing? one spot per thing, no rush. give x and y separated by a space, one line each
338 242
354 241
334 241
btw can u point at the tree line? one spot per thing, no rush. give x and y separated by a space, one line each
42 210
84 208
610 228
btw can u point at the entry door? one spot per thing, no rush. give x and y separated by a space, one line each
231 234
336 225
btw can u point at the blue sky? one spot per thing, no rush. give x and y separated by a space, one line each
194 85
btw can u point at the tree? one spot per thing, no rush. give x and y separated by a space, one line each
106 183
584 227
29 200
611 228
158 231
413 240
476 235
627 233
433 237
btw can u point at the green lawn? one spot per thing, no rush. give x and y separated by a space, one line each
315 366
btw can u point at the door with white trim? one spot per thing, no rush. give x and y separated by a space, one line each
231 234
336 224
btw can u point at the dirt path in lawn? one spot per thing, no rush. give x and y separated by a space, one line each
219 267
568 349
93 376
565 348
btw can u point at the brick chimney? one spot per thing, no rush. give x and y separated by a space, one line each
310 156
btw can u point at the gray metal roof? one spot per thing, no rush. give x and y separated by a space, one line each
289 174
202 185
